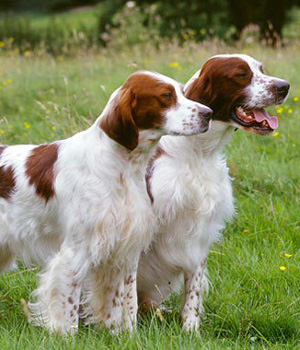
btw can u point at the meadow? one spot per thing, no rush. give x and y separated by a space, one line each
254 300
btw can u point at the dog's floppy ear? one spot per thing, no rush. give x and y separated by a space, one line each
118 122
200 89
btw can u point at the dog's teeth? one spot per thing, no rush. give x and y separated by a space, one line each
250 117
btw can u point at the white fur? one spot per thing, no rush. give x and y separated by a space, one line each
193 199
96 224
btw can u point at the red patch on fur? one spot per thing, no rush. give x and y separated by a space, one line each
150 168
139 104
2 148
40 169
221 84
7 180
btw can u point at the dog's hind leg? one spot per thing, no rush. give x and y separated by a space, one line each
6 258
57 297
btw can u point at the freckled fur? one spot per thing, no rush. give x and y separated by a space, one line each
80 208
191 189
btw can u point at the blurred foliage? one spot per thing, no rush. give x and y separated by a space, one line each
62 5
196 18
121 22
43 5
54 35
269 15
133 26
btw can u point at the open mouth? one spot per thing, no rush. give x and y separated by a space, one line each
257 119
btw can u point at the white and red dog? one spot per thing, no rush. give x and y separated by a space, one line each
188 179
80 205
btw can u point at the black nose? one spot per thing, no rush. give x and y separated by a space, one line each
282 88
206 113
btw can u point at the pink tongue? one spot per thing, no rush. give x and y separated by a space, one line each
260 115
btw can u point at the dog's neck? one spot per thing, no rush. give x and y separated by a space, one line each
136 160
203 146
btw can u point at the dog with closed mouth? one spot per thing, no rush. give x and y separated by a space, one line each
80 208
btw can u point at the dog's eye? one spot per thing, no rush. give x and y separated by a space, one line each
242 75
168 95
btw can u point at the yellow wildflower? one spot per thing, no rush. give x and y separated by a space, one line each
174 64
1 131
9 81
287 255
286 107
2 43
203 31
27 53
11 126
16 50
279 110
296 99
53 127
275 134
24 134
290 111
4 83
11 39
282 268
47 111
26 125
186 36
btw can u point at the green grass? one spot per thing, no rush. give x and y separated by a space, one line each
253 304
61 33
86 17
292 29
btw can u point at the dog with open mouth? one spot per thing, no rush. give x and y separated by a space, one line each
241 80
189 184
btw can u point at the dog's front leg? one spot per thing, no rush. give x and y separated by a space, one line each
193 288
111 298
103 297
130 299
114 297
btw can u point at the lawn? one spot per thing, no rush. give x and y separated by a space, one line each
81 16
86 17
254 300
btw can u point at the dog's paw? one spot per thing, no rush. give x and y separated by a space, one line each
191 323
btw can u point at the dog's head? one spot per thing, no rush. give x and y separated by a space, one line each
237 90
151 101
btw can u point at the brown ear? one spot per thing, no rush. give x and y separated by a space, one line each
118 123
200 89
